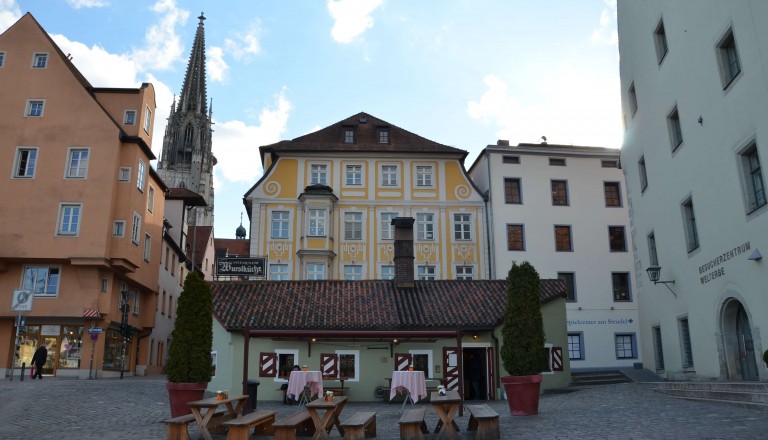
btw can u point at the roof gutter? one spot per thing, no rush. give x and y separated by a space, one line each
358 334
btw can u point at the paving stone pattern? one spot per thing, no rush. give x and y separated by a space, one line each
133 408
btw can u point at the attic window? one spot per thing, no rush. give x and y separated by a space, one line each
382 134
348 135
556 162
510 159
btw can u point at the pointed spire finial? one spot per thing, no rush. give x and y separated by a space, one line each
201 17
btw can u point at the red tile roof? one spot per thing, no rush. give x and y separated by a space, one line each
233 247
365 305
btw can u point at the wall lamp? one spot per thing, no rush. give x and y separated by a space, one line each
653 274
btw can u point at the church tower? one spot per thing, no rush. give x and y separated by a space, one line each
187 160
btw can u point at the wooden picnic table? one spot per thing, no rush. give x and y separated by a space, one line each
333 409
446 407
203 411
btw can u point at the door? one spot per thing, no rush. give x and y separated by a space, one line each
475 373
451 368
746 346
52 344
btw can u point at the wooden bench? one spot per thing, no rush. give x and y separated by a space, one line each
177 426
360 426
485 421
239 428
412 424
299 423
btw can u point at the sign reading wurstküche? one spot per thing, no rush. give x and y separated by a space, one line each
254 267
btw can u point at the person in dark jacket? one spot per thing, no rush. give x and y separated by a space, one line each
39 358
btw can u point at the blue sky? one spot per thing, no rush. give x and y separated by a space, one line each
460 72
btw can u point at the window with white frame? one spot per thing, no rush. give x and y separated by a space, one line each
422 361
118 228
354 175
425 226
620 282
728 58
349 364
35 107
382 134
752 178
25 163
353 272
626 347
279 224
41 280
2 59
660 41
286 359
348 135
426 273
124 175
387 272
653 257
353 226
658 349
387 228
151 199
316 222
689 223
685 343
77 165
632 99
39 60
140 175
318 174
465 273
462 226
278 272
136 228
576 346
129 118
69 219
315 271
424 176
147 119
675 131
389 175
147 247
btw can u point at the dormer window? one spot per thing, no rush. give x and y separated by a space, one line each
348 135
382 135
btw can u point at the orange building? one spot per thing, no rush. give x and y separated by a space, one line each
82 212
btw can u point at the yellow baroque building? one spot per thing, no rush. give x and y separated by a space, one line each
324 207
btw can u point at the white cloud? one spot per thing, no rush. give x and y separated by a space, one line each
215 64
9 14
236 144
101 68
163 44
77 4
607 33
245 44
351 18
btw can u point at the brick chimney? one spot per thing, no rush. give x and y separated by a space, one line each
404 252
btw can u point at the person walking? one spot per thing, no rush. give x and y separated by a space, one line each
39 358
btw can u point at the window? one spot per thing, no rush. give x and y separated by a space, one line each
383 135
728 58
387 228
465 273
559 193
423 176
2 59
318 174
570 285
556 162
77 165
563 238
39 60
620 282
129 117
387 272
35 107
612 191
147 119
167 256
685 343
632 99
617 239
170 307
26 162
353 272
643 175
675 132
660 38
425 226
422 361
689 222
125 175
280 224
658 350
69 219
316 222
354 175
286 359
462 227
136 228
104 285
652 255
349 364
576 346
41 280
118 228
515 238
140 176
752 177
510 159
353 226
625 346
389 175
512 193
278 272
151 199
349 135
426 273
315 271
609 163
147 247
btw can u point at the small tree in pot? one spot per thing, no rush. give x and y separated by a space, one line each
189 353
522 352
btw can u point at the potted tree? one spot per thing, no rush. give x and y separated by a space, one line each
522 351
189 352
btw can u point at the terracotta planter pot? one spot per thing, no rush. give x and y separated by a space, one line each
522 394
181 393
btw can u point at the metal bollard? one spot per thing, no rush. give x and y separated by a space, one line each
23 365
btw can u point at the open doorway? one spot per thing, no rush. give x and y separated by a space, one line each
475 368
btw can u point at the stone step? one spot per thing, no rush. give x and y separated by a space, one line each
738 396
752 405
754 387
598 378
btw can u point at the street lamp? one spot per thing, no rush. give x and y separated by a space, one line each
654 272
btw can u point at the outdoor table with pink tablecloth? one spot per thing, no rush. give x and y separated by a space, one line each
300 379
413 381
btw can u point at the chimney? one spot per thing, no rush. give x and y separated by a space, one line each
502 142
404 252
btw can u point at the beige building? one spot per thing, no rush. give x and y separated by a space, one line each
84 217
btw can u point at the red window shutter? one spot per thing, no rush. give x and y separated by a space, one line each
402 361
267 364
557 359
329 365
